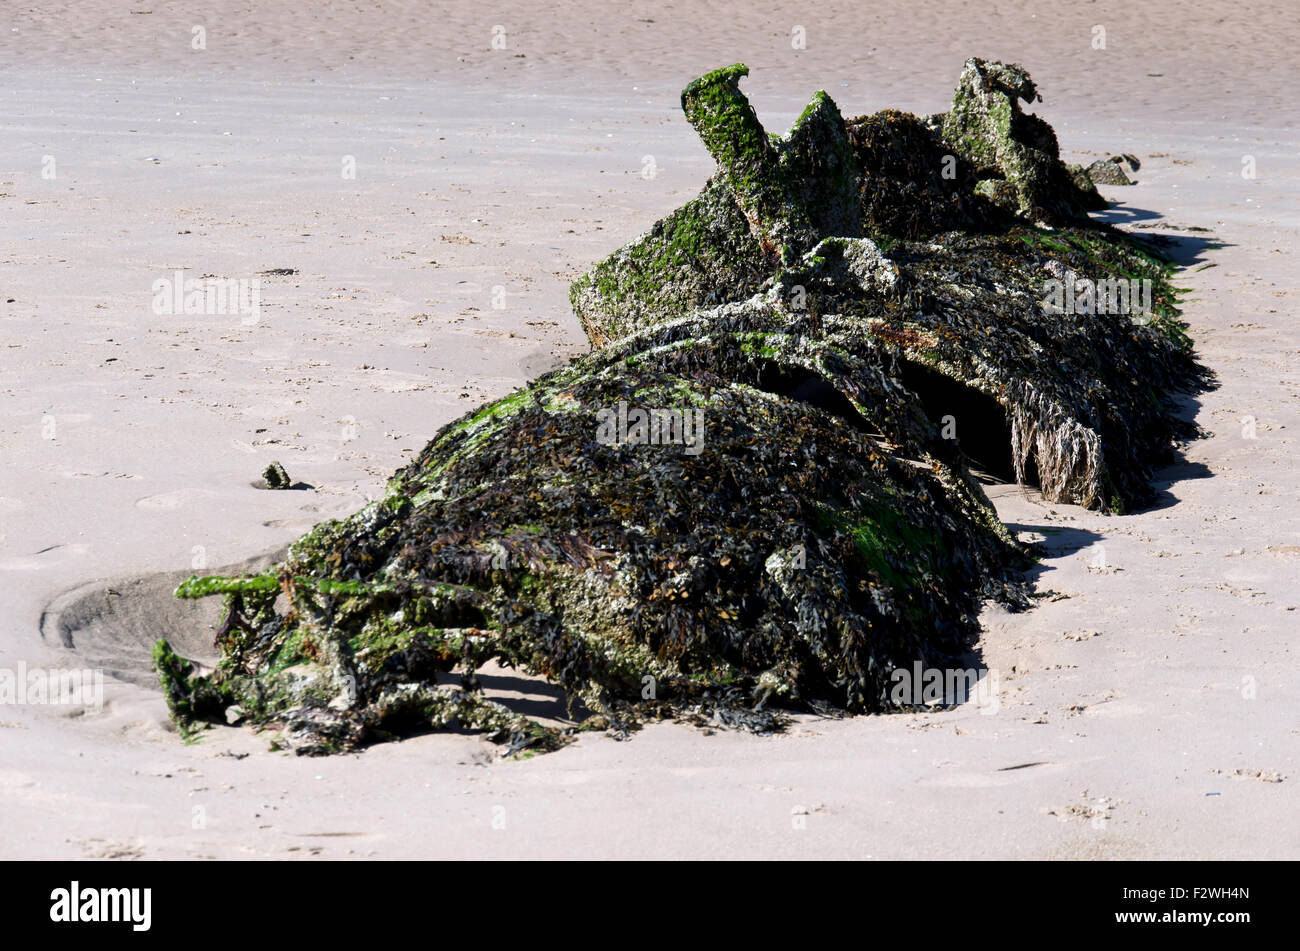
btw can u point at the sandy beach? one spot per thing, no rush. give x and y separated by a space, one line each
1147 709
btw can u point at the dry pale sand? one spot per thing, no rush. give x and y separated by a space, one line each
1143 715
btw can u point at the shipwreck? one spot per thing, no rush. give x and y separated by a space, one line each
850 320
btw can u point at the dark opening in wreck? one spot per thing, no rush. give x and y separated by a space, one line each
809 388
976 421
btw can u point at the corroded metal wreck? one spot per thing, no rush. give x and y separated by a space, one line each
836 306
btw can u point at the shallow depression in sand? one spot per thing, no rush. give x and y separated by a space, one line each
113 625
174 500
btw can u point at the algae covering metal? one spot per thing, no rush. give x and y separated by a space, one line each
747 500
